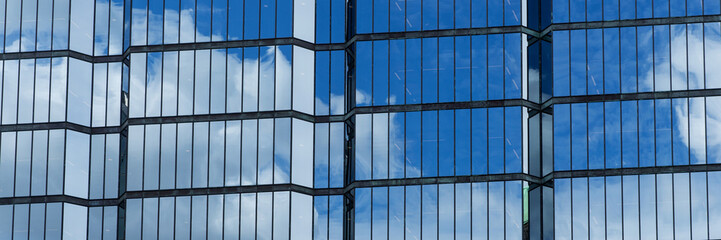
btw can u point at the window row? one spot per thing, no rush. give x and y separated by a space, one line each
42 25
446 69
59 162
486 210
440 143
221 81
185 21
216 154
636 59
604 10
631 134
661 206
377 16
55 221
267 215
47 90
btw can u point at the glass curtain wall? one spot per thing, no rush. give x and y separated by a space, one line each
360 119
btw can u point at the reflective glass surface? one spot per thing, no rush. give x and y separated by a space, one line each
360 119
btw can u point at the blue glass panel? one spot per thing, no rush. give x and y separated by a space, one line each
630 209
663 132
380 15
495 13
446 141
322 83
644 37
610 10
413 71
284 18
413 144
322 21
429 214
430 14
379 213
594 61
380 73
463 142
647 205
235 17
397 72
463 13
479 68
479 141
678 9
697 130
660 8
430 70
496 210
337 81
496 143
445 69
628 9
562 208
139 21
512 65
202 21
267 18
579 137
613 134
396 145
495 67
363 146
397 15
646 128
699 204
429 143
220 20
578 62
184 155
562 137
595 135
413 15
712 104
251 24
479 13
337 25
628 58
380 146
513 139
561 62
512 12
463 54
445 14
662 58
643 8
171 21
155 22
364 17
579 207
362 214
611 64
680 131
712 34
200 155
578 10
679 62
364 68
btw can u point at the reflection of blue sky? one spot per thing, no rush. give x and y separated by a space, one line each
444 210
664 205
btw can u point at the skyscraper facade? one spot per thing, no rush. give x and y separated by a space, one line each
360 119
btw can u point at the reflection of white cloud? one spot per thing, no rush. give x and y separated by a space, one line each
687 45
